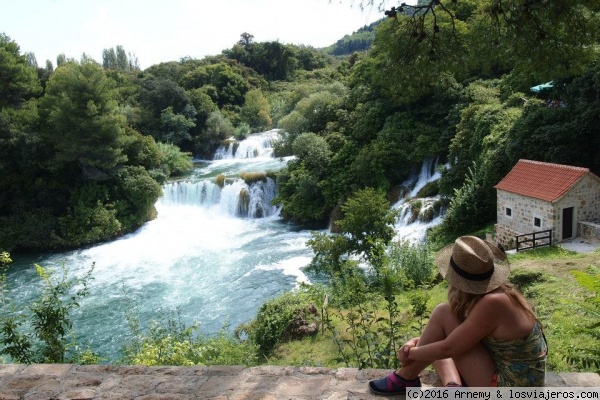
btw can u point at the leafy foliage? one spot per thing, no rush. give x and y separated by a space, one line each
413 262
45 335
170 342
273 322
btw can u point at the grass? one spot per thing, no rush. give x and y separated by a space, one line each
545 277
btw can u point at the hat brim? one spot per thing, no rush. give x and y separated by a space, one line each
500 275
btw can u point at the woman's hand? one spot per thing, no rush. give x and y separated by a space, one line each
403 352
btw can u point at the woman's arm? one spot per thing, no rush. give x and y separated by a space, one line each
481 321
403 351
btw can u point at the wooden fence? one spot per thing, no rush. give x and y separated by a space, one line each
534 240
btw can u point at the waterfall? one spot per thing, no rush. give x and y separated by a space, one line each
237 198
427 174
216 251
417 215
234 196
191 193
257 145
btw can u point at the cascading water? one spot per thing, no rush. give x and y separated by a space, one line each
237 198
215 253
416 216
252 147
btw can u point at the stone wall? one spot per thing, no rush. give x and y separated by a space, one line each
589 231
584 197
525 212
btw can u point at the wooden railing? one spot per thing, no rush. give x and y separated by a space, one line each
534 240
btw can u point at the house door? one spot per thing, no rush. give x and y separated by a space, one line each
567 223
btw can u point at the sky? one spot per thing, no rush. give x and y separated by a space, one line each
166 30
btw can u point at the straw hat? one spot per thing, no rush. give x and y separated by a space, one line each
473 265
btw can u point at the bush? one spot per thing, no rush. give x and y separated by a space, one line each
415 263
242 131
170 342
175 162
45 335
274 320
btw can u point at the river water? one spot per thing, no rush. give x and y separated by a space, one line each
214 253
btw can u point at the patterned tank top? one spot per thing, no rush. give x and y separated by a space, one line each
520 362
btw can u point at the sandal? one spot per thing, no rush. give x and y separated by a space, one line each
393 384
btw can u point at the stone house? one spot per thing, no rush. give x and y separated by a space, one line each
537 196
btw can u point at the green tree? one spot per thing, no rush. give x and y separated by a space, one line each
176 162
81 118
255 111
229 83
109 58
122 61
367 226
135 193
176 127
313 151
18 80
367 220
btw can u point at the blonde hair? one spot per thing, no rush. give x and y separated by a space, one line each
462 303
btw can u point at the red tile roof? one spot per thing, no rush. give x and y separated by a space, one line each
541 180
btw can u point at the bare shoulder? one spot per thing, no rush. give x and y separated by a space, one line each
497 297
494 301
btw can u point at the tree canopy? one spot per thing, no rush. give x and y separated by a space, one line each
85 146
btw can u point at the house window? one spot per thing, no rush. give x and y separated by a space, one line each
537 222
508 212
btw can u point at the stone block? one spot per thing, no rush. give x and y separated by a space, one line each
553 380
225 370
346 374
306 386
132 370
47 369
82 394
585 379
169 396
10 369
183 385
271 370
218 386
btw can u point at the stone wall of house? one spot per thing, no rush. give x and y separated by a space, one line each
584 197
521 221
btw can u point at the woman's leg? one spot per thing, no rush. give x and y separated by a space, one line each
476 365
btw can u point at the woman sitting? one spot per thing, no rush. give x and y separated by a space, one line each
485 335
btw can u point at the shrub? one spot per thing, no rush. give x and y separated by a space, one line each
175 162
274 320
414 262
169 341
242 131
45 335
